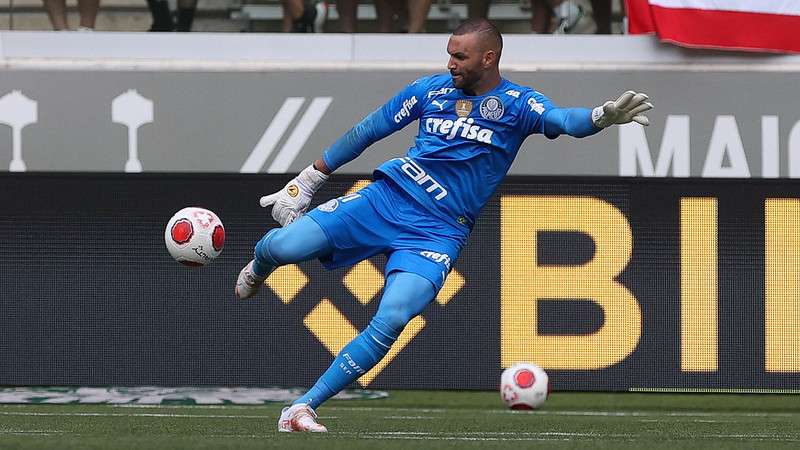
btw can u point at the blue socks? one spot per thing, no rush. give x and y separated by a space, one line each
355 359
404 297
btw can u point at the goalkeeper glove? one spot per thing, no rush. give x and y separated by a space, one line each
627 108
293 200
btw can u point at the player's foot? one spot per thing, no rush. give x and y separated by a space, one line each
248 282
299 417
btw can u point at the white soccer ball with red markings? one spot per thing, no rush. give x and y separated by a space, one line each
524 386
194 236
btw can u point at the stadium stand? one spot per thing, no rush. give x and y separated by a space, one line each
116 15
265 16
510 15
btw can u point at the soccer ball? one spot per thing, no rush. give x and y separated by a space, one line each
524 386
194 236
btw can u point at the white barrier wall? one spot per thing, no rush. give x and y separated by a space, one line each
521 52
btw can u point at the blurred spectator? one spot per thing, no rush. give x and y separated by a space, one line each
57 11
392 15
554 16
348 14
542 16
163 19
601 11
478 9
418 14
300 16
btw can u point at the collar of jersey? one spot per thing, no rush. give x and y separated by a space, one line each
499 87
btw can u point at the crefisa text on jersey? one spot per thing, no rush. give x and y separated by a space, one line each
450 128
405 111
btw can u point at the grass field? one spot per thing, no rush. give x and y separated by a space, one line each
423 419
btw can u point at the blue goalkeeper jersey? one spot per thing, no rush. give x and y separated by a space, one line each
465 144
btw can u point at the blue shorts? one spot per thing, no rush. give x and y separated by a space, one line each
383 218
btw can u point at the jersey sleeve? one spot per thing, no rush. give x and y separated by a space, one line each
405 107
543 117
534 109
394 115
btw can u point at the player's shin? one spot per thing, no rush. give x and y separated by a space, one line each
355 359
263 262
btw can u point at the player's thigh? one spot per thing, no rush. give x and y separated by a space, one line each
429 257
405 295
355 226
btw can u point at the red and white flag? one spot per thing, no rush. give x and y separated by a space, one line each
767 25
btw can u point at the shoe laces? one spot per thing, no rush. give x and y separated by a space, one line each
250 278
306 417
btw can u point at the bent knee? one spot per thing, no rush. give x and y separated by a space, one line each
274 248
265 248
395 319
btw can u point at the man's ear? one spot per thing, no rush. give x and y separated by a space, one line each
489 58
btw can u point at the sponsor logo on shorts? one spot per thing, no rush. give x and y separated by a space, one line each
442 258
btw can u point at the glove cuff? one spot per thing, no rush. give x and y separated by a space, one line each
312 178
597 117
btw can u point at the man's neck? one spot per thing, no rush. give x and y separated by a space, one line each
485 85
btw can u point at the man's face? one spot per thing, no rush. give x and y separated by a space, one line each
466 64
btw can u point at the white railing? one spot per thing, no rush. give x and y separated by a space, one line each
258 52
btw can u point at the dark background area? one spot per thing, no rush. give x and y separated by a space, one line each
90 296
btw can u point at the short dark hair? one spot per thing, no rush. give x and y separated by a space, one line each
485 28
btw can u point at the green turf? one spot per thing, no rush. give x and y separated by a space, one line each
415 419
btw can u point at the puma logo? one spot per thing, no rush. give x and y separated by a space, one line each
439 104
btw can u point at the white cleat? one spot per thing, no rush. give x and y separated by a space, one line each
299 418
248 282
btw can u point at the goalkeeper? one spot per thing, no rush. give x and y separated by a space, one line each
421 208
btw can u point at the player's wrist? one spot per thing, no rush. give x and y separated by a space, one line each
599 118
321 166
311 178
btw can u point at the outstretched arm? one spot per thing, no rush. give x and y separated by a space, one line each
347 148
371 129
553 121
582 122
294 199
576 122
